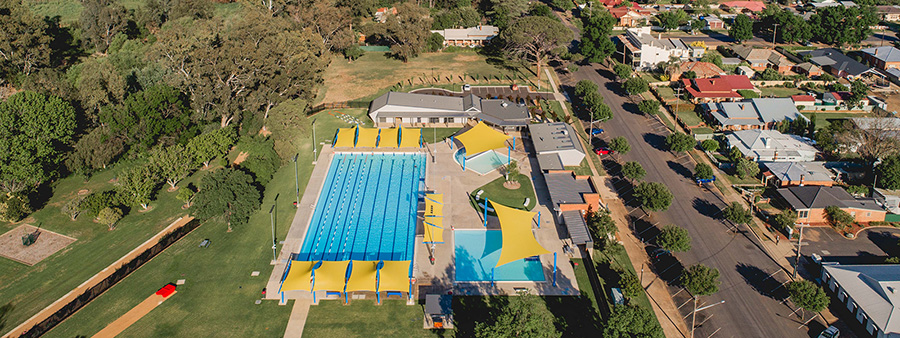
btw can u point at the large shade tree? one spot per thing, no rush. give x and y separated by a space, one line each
24 46
407 31
525 316
595 44
227 194
35 130
536 39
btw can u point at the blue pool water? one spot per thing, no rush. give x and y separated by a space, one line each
482 163
477 251
367 208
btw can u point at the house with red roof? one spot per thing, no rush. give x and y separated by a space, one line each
717 89
803 100
627 16
743 6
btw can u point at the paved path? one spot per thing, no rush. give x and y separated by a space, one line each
100 276
132 316
297 320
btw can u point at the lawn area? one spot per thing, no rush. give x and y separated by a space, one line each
779 91
582 169
821 118
497 193
219 293
363 318
689 117
702 130
376 72
434 135
619 258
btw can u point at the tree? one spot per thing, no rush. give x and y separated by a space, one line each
653 196
746 168
807 295
109 216
838 217
25 46
101 20
742 28
700 280
709 145
512 171
703 171
679 142
858 92
712 57
466 16
672 19
593 103
526 315
633 171
228 194
674 238
697 24
622 70
619 145
791 27
735 154
630 284
94 151
185 195
407 31
207 146
72 207
353 52
434 42
502 12
770 74
536 39
636 86
595 43
736 213
627 321
649 107
99 84
333 24
135 186
173 163
601 224
148 115
786 219
840 25
34 131
584 87
888 172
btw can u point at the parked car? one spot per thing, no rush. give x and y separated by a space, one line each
830 332
603 151
467 87
656 253
596 131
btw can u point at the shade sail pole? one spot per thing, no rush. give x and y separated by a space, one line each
539 219
508 155
492 276
451 142
485 211
554 269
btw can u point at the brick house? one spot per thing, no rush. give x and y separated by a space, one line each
716 89
883 58
810 202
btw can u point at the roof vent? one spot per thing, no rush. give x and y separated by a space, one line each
504 104
565 132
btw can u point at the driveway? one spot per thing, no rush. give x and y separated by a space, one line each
749 278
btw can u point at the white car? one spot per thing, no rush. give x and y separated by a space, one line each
467 87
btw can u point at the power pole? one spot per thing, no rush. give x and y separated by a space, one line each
799 245
315 147
774 35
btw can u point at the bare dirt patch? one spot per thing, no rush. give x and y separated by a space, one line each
241 158
48 243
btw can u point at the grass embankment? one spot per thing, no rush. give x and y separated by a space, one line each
497 193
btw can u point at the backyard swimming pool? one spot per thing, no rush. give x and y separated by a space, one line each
482 163
477 251
366 209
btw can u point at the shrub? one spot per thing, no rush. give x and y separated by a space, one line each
14 207
838 218
93 203
630 284
109 216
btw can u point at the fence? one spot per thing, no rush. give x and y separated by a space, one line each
120 273
338 105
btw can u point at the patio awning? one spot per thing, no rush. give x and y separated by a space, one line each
410 138
481 138
367 138
518 239
434 205
330 276
433 234
390 138
363 276
298 277
394 276
346 138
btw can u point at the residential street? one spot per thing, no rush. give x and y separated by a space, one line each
750 308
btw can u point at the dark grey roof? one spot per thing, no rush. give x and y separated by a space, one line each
817 197
834 59
565 189
794 171
577 228
503 113
438 304
550 161
554 137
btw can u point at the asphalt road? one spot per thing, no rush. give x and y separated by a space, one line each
752 305
871 247
878 38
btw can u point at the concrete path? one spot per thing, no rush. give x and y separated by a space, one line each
297 320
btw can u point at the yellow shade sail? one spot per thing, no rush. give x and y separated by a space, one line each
390 138
363 276
518 239
410 138
330 276
481 138
298 277
433 234
394 276
439 198
433 208
367 138
346 138
437 221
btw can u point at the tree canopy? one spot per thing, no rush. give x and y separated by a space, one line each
633 171
595 44
680 142
888 172
700 280
838 217
807 295
839 25
227 194
526 315
736 213
636 85
742 28
746 168
536 39
653 196
25 46
619 145
649 107
627 321
146 116
703 171
674 238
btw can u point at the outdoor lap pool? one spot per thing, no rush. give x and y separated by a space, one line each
366 209
477 251
482 163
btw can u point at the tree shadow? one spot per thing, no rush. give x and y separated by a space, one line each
705 208
469 311
4 312
632 108
760 281
886 240
680 169
658 142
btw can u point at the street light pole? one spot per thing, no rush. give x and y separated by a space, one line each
297 180
694 313
315 147
272 218
774 35
799 246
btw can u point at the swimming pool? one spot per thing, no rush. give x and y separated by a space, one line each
367 208
477 251
482 163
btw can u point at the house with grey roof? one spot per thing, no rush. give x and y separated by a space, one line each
644 51
871 292
784 174
810 202
573 196
759 113
888 199
468 37
422 110
772 146
557 139
833 61
884 57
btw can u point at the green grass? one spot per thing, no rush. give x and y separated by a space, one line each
219 293
363 318
666 93
620 259
689 117
496 193
779 91
821 118
582 169
434 135
702 130
69 11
